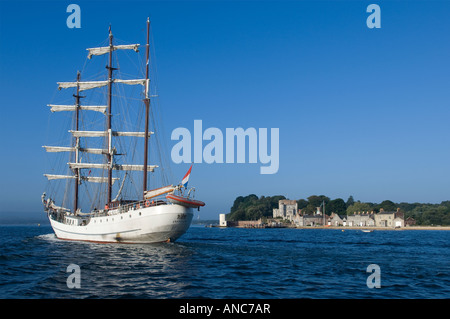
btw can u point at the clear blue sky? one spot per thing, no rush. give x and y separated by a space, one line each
362 112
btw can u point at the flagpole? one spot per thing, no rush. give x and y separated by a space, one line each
185 179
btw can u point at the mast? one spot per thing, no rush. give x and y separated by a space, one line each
108 116
77 143
323 217
108 151
147 109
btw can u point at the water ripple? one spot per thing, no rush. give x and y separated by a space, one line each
229 263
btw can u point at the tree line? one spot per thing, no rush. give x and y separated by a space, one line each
252 207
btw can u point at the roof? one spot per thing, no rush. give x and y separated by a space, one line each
287 201
386 213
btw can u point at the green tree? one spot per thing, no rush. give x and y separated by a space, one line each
358 207
238 214
316 201
252 208
337 206
350 201
388 206
301 203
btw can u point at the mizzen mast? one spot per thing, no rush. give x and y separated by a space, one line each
147 109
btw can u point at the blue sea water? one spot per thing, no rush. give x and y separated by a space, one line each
228 264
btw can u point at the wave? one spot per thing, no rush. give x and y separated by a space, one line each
48 237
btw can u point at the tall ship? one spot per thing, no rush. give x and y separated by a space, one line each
108 154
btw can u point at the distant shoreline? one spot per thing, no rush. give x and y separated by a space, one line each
208 223
354 227
379 228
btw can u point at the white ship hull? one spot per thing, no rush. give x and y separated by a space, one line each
152 224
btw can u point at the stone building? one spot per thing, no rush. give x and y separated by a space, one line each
310 220
389 219
384 219
410 221
287 209
361 219
338 220
366 219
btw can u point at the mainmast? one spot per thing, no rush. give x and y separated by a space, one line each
108 116
147 109
77 143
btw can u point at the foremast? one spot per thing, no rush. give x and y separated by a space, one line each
109 133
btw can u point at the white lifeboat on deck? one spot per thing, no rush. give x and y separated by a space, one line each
185 201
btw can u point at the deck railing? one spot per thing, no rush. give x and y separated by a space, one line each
110 211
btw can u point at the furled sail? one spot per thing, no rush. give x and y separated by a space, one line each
104 50
51 177
83 85
135 134
131 167
84 178
121 167
95 179
131 82
94 150
88 133
97 84
105 133
55 149
60 108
